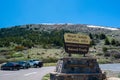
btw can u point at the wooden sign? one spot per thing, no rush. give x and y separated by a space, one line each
76 43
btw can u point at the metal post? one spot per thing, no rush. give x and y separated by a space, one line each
84 55
69 55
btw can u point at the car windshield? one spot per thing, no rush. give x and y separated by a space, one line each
10 64
21 62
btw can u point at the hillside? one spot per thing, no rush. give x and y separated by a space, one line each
69 27
20 42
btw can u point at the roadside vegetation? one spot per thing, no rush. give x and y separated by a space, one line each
46 77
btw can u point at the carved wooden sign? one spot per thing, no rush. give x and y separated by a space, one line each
76 43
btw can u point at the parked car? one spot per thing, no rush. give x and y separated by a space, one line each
10 66
35 63
24 64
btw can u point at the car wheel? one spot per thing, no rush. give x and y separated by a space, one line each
35 65
11 68
18 68
40 65
27 67
24 67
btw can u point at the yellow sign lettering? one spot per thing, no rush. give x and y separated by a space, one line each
76 38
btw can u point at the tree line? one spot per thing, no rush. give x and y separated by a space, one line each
29 38
96 37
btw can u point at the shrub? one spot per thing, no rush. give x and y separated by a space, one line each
107 55
28 57
17 55
42 53
49 60
102 36
99 54
17 59
104 49
104 61
113 42
56 54
19 48
117 55
107 42
38 53
8 56
92 42
3 60
118 75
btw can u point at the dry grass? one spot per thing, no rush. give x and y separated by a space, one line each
49 64
44 53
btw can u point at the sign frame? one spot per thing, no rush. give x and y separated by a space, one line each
76 43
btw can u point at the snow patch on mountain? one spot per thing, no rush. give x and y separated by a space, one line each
57 23
92 26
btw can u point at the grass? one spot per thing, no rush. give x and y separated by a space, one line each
44 53
49 64
118 75
46 77
103 61
51 56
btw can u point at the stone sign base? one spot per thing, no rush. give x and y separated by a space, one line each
77 69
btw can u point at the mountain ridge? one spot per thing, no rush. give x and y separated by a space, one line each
82 28
65 24
77 28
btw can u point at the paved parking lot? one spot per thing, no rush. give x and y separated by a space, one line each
38 73
27 74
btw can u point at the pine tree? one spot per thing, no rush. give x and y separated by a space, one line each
102 36
113 42
91 36
107 42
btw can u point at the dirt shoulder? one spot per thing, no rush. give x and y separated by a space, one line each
112 75
113 78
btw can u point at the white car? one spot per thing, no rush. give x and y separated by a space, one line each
35 63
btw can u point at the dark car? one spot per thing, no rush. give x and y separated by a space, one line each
10 66
24 64
35 63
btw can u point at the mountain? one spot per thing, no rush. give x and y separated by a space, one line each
81 28
78 28
72 27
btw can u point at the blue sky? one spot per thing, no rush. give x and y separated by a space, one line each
95 12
